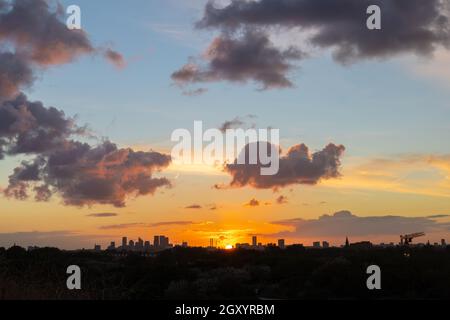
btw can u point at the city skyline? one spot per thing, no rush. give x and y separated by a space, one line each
86 119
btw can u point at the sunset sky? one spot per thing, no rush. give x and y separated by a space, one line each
143 69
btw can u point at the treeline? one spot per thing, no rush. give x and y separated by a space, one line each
195 273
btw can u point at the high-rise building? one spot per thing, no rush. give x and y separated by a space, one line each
140 244
156 241
347 243
443 243
185 244
112 246
281 244
97 247
325 244
124 242
147 245
131 244
163 242
316 244
254 241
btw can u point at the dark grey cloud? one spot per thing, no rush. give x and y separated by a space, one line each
15 73
408 26
282 200
243 51
194 206
298 166
34 35
102 215
344 223
252 203
251 57
29 127
237 122
80 173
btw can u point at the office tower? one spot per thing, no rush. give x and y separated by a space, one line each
147 245
185 244
97 247
163 242
316 244
325 244
443 243
156 241
112 246
347 243
254 241
140 244
131 244
281 244
124 242
211 243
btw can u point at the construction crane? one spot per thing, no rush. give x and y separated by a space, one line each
407 238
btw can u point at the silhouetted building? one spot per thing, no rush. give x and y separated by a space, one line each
254 241
147 245
97 247
131 244
112 246
325 244
316 244
281 244
361 245
124 242
347 243
156 241
443 243
140 244
185 244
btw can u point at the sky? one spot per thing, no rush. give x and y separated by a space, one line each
141 69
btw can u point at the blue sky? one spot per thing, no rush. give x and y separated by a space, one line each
375 107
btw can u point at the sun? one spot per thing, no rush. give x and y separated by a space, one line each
228 247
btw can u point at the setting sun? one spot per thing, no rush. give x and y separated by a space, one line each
228 247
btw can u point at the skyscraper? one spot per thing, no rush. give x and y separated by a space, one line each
124 242
156 241
281 244
254 241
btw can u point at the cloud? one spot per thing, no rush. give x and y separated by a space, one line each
298 166
29 127
282 200
250 58
170 223
115 58
15 73
194 206
146 225
33 35
102 215
237 122
344 223
341 25
195 92
416 26
122 226
80 173
252 203
85 175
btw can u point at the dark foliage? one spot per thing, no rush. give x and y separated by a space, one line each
195 273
